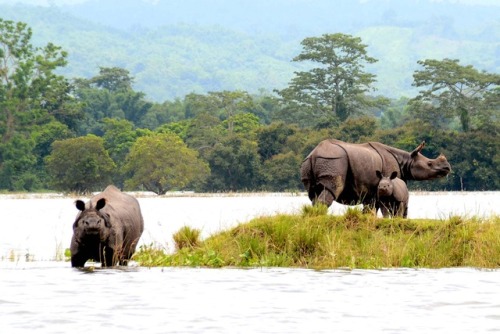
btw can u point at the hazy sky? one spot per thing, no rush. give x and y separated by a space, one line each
66 2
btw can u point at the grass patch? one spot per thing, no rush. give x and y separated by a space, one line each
187 237
314 239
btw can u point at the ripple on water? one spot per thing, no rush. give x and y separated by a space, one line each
54 298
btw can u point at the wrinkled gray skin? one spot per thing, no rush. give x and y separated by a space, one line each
344 172
107 229
392 195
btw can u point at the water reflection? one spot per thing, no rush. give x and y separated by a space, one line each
53 298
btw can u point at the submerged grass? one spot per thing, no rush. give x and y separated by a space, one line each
314 239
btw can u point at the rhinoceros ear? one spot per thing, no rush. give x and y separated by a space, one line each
100 204
418 149
379 174
80 205
394 175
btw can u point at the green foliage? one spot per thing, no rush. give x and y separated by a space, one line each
454 90
358 129
33 103
282 172
319 209
113 79
18 167
273 139
240 50
354 240
203 133
164 113
244 124
187 237
250 142
475 157
235 164
109 95
161 162
119 135
336 87
395 115
79 165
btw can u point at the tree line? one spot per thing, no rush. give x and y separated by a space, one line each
80 134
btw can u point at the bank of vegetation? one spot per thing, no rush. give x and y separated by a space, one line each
314 239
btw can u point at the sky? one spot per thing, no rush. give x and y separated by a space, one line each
69 2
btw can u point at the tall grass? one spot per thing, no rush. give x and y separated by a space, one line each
314 239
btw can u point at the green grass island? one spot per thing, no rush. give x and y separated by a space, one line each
316 240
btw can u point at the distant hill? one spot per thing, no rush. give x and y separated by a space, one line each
173 48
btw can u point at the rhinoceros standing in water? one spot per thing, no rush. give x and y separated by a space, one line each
392 195
346 173
107 229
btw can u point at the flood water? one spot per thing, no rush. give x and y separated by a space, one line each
47 296
52 298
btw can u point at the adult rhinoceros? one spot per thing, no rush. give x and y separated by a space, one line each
106 229
346 173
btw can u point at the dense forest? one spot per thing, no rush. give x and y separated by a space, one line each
80 133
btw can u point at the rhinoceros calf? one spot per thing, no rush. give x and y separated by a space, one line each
106 229
392 195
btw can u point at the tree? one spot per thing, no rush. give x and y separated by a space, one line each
334 89
113 79
235 164
166 112
162 162
243 124
109 95
119 136
79 164
203 132
224 105
273 139
395 114
18 163
29 90
43 137
455 90
475 159
229 103
32 96
357 129
282 172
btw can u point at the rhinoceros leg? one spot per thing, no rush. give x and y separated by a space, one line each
402 210
108 257
329 181
78 260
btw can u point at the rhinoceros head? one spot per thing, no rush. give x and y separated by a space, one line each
92 222
385 186
423 168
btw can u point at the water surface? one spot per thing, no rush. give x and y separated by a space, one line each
49 297
40 227
45 296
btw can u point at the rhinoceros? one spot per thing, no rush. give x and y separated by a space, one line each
106 229
392 195
345 172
